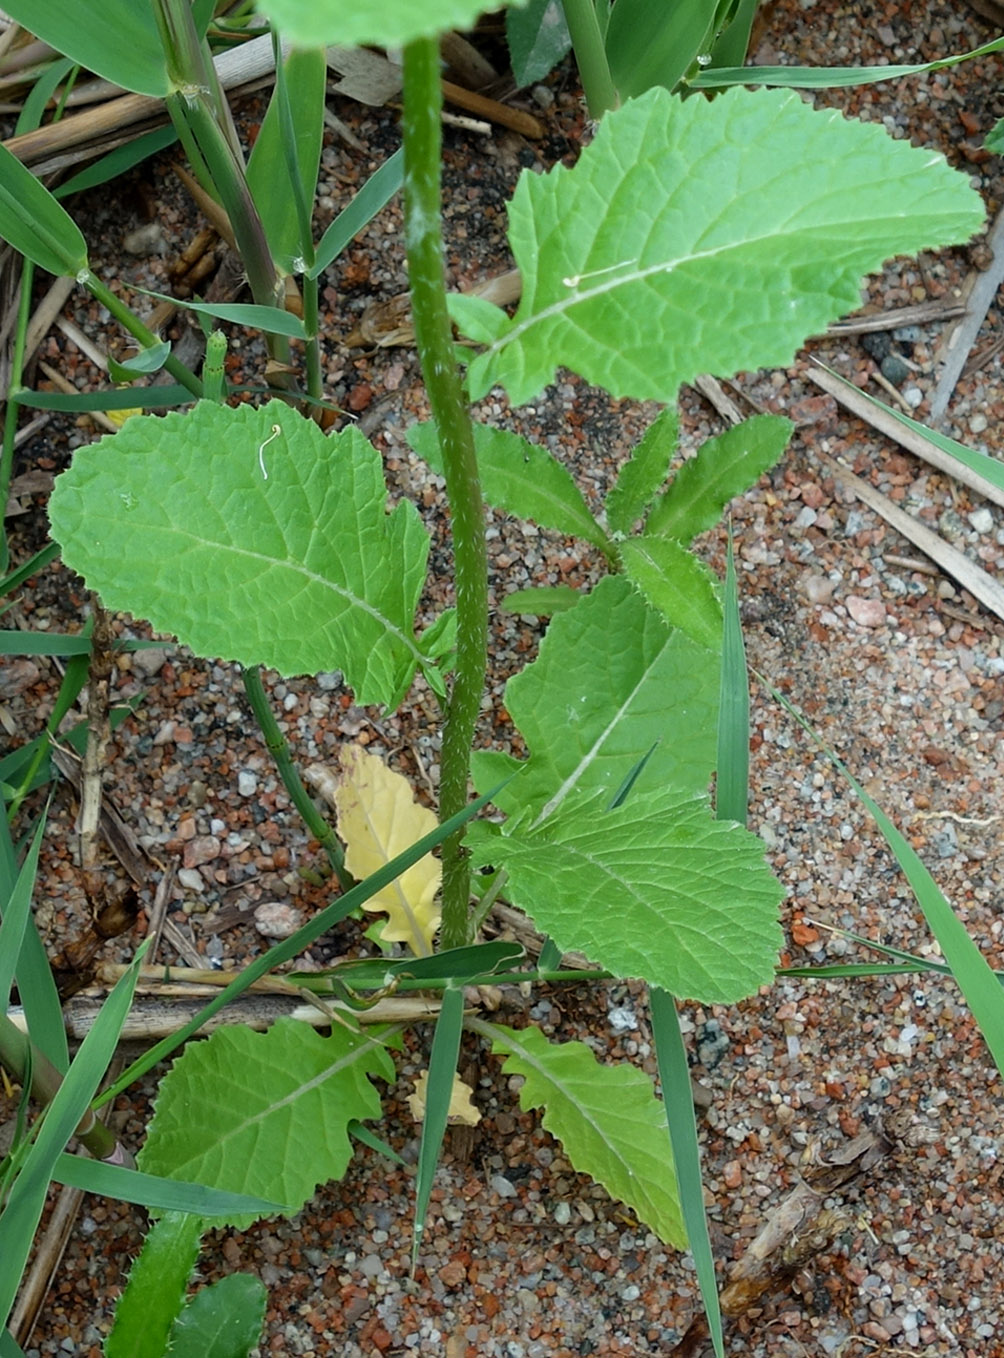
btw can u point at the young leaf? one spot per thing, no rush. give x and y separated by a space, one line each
679 585
538 39
253 537
607 1118
222 1321
389 24
596 700
725 466
155 1291
543 601
520 478
377 818
375 194
720 236
264 1113
644 51
442 1070
644 472
655 889
35 224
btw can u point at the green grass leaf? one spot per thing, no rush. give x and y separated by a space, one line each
644 472
23 1209
725 466
374 195
521 478
147 1190
438 1093
268 169
828 77
597 698
261 547
264 1113
607 1118
733 767
978 983
116 39
221 1321
674 1072
35 224
720 235
682 588
543 601
654 889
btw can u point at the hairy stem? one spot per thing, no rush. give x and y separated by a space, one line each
433 337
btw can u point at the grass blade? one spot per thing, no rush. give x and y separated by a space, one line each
374 195
978 983
676 1092
23 1211
732 781
439 1091
17 912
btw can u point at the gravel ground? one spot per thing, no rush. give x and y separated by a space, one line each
897 668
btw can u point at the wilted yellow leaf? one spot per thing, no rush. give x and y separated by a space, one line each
378 818
462 1109
119 417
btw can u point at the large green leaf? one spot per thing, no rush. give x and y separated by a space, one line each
261 547
724 467
117 39
265 1113
643 473
608 1119
655 889
355 23
521 478
35 224
612 680
695 237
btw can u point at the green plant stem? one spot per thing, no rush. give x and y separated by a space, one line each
10 414
315 376
590 56
24 1061
278 748
136 328
433 338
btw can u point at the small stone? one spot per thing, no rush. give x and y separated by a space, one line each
201 849
818 588
191 879
503 1187
247 783
978 423
913 396
982 520
145 240
894 369
562 1213
866 612
149 661
16 675
276 919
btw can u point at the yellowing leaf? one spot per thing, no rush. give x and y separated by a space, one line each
378 818
462 1109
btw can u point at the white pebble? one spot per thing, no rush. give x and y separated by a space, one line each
191 879
502 1186
562 1213
276 919
982 520
247 783
977 423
